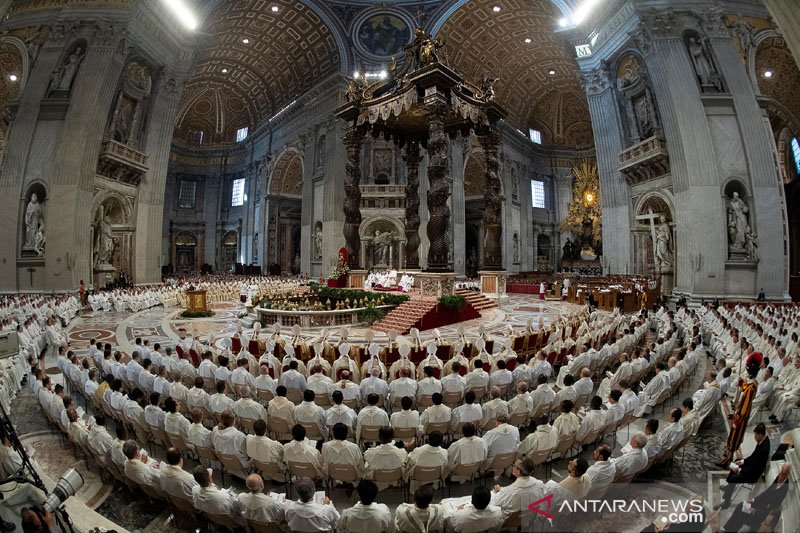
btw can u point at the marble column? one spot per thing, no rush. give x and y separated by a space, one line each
493 204
412 158
353 140
150 204
333 193
614 195
458 204
768 217
75 167
700 228
440 183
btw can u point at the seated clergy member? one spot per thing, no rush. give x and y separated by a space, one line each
469 411
230 441
429 384
175 481
174 422
302 450
246 407
212 500
257 506
634 461
577 482
308 412
420 516
477 516
263 449
454 381
373 383
339 412
428 455
340 451
671 436
280 407
403 385
543 438
349 390
594 420
220 402
495 407
525 489
567 422
469 449
408 417
140 468
371 415
435 414
366 516
198 435
504 438
478 378
602 472
305 514
317 381
385 456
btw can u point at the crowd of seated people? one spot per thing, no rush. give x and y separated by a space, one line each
416 426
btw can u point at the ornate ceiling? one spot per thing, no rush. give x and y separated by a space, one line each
237 84
479 40
287 53
782 87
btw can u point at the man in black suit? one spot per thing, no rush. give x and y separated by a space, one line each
764 507
750 469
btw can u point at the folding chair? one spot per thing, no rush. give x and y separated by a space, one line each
341 474
468 471
423 475
500 462
232 463
223 520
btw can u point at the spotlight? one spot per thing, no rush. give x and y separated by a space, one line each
246 40
767 74
383 74
70 482
527 40
552 72
274 9
12 77
496 9
224 71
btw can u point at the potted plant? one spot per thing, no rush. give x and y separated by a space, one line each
370 314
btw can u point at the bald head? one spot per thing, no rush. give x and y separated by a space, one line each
585 373
254 483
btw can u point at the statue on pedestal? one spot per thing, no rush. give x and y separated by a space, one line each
382 244
703 66
317 241
69 69
738 225
104 242
34 222
663 251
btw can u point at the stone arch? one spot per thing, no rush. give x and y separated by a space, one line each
758 39
116 206
286 178
367 231
656 200
783 101
786 161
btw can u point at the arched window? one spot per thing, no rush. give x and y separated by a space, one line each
796 153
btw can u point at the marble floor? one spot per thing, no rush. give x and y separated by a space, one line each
692 470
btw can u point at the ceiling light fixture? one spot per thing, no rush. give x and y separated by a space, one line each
12 77
382 74
356 74
552 72
527 40
768 74
246 40
496 9
181 10
274 8
563 22
224 71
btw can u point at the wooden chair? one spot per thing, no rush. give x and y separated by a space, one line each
323 400
405 433
480 392
232 463
247 424
441 427
312 430
423 475
294 395
500 462
368 434
279 427
261 527
272 470
183 505
341 474
180 443
518 419
451 399
264 395
351 403
223 520
468 471
389 476
206 454
563 446
424 401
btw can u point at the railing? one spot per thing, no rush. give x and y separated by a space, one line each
121 162
383 190
647 160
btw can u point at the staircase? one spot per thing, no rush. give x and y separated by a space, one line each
248 320
478 300
403 317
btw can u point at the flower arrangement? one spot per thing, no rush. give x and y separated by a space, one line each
338 272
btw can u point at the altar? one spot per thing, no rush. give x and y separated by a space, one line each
196 301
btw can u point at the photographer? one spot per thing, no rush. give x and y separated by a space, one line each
36 520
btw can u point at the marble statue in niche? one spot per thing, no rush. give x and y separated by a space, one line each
104 241
316 253
663 251
64 75
644 117
34 225
382 243
738 225
751 246
703 66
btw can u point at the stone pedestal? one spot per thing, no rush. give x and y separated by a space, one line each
355 279
103 273
493 282
436 284
667 283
